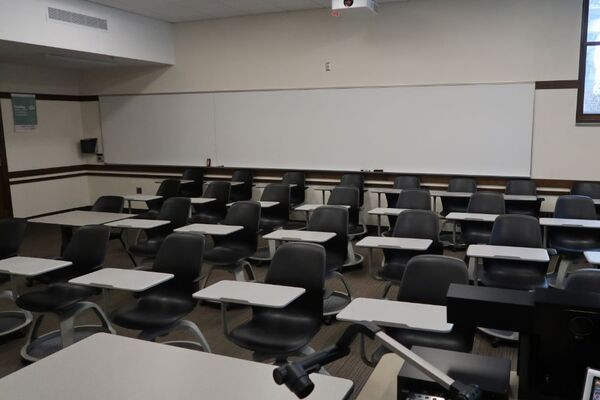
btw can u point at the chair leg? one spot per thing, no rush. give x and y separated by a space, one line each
151 335
207 277
249 271
67 331
339 275
386 289
563 268
34 329
127 251
363 353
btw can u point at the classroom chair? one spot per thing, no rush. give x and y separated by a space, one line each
571 242
516 231
192 189
280 333
112 204
176 210
402 182
333 219
416 224
241 192
298 192
349 196
426 280
357 181
478 232
12 232
590 189
87 251
412 199
231 252
275 217
584 280
167 189
522 187
215 211
160 310
457 204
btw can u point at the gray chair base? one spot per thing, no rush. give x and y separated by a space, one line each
353 260
38 347
335 301
189 326
13 321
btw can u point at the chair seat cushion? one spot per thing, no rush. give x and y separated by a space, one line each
221 255
393 271
207 218
147 247
567 245
153 311
275 332
150 214
515 278
356 230
56 297
479 234
269 224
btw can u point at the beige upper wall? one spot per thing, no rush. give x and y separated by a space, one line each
417 42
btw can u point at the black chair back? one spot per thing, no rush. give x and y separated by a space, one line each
246 214
584 280
590 189
347 196
279 214
167 189
414 199
176 210
112 204
428 277
571 240
402 182
214 211
192 189
357 181
241 192
181 254
517 231
417 224
87 249
477 232
298 192
332 219
301 265
12 232
458 204
524 187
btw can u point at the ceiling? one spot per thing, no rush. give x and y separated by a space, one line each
192 10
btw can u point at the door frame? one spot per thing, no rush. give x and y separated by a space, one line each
6 200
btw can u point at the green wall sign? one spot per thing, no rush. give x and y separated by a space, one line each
24 112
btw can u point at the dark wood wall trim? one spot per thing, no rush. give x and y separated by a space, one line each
53 97
263 174
543 85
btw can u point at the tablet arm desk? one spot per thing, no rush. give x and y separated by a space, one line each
295 375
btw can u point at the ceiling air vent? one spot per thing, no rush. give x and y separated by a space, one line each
75 18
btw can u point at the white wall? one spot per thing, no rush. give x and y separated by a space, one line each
129 35
408 43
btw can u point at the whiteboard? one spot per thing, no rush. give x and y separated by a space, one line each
460 129
177 129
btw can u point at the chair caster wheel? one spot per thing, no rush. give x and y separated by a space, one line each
328 320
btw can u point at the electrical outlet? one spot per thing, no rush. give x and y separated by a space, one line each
327 66
138 190
100 157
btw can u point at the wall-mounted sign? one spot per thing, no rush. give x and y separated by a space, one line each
24 112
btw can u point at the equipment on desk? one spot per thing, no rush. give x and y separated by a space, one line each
559 333
296 375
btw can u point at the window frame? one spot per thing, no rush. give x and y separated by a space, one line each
581 117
